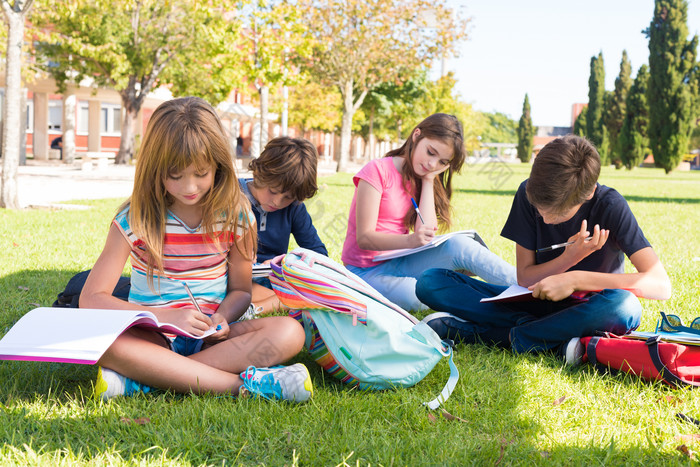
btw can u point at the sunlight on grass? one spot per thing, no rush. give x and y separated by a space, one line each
515 409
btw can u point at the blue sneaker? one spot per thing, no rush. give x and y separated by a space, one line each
111 384
449 326
291 383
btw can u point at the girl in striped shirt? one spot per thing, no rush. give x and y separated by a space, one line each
187 223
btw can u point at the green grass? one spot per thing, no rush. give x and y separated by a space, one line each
506 403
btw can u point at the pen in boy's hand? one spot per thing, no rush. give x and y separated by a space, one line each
415 206
194 302
558 245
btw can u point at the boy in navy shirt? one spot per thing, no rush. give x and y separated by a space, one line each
559 203
283 177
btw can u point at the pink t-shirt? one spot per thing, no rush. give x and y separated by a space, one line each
394 204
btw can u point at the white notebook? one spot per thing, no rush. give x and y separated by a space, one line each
74 335
437 240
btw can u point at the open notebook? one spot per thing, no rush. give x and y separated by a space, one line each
437 240
74 335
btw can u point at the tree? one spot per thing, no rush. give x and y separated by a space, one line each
499 128
596 98
15 14
580 124
634 140
671 61
134 46
615 115
275 41
526 133
312 106
362 43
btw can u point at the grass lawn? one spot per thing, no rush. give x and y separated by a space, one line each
512 409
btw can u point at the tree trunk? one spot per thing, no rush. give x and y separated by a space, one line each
264 106
346 127
131 107
69 107
11 113
126 145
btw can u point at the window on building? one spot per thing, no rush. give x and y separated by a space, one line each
55 115
30 116
110 119
83 118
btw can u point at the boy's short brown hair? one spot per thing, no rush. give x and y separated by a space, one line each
564 174
289 165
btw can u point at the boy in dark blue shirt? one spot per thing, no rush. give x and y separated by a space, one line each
556 205
283 177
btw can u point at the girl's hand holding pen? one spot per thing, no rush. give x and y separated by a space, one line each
422 235
222 328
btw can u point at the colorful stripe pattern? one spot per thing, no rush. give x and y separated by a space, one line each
320 353
189 255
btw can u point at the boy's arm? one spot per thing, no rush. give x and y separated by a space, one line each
304 231
650 280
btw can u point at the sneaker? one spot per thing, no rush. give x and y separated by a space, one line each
111 384
573 352
291 383
251 313
449 326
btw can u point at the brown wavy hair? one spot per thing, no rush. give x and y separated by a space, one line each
287 164
563 174
447 129
182 132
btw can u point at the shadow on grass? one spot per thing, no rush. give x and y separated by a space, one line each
654 199
472 191
47 410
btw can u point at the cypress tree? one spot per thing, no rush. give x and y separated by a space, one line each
671 61
526 133
615 115
634 139
596 97
604 145
580 123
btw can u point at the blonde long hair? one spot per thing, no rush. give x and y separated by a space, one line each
182 132
447 129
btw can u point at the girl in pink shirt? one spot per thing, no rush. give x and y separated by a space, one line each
382 216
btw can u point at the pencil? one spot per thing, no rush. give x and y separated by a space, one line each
415 206
558 245
194 302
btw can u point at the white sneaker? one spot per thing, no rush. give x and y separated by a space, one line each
251 313
573 352
291 383
111 384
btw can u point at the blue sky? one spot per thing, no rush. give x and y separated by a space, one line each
544 48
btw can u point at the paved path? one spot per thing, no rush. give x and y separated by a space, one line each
46 184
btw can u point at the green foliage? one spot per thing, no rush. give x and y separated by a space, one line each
312 106
616 110
135 46
672 59
596 101
634 140
580 124
499 128
526 133
510 405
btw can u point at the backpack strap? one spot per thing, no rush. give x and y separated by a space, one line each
666 374
590 350
449 386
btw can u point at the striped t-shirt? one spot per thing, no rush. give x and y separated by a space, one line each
190 256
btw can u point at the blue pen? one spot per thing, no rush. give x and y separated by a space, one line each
415 206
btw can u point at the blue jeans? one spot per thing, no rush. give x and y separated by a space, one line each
528 326
396 278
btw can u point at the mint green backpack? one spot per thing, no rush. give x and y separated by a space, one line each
352 331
